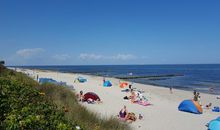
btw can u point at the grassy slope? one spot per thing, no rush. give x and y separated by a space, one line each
60 100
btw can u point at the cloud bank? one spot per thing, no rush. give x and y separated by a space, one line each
87 56
29 53
61 57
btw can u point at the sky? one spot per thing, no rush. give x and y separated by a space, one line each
102 32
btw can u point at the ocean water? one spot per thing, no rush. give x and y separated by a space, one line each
200 77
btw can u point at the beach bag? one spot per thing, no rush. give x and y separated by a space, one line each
126 98
216 109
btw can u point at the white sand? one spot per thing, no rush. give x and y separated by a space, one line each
162 115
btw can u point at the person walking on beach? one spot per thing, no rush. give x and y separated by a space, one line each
130 87
171 90
211 90
103 80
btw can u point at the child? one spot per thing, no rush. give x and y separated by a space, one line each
81 97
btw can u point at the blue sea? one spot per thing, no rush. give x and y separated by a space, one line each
200 77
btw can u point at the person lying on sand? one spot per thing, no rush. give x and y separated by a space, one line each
208 106
130 117
91 101
133 96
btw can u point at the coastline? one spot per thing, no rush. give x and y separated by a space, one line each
164 109
181 77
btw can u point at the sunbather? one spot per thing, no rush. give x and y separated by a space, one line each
130 117
123 113
208 106
133 96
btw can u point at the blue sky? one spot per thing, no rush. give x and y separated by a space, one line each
90 32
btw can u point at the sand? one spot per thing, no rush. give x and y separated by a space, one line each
163 114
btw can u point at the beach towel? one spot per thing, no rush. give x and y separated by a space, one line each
125 90
143 103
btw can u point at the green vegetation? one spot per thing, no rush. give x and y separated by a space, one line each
2 62
24 104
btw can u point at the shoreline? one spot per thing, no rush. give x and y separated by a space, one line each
188 89
164 108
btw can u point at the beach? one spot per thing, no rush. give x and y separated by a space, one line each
162 114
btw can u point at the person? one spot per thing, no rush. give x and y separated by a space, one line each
130 117
208 106
194 92
140 117
133 96
196 95
103 80
90 101
211 90
123 112
171 90
199 100
81 96
130 87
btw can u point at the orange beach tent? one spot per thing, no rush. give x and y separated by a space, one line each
123 85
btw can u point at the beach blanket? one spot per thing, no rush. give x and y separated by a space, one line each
143 103
125 90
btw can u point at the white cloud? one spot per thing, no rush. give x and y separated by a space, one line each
61 57
28 53
86 56
124 57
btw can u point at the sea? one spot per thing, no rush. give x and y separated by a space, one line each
201 77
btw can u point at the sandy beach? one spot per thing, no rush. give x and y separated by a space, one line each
163 114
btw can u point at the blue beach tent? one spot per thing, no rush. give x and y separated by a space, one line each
190 106
214 124
107 84
46 80
81 79
49 80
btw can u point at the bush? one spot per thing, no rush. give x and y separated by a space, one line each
23 107
25 104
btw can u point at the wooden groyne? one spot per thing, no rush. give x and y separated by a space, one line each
150 76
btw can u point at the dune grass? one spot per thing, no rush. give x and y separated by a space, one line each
66 100
25 104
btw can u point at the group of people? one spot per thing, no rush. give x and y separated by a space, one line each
135 97
197 98
124 115
128 116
